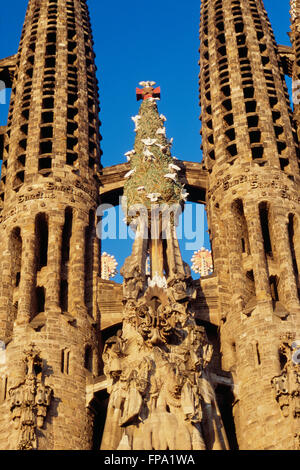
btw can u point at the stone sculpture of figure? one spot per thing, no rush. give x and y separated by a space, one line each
287 385
161 401
134 278
30 400
112 353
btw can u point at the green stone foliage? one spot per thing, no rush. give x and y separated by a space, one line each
147 183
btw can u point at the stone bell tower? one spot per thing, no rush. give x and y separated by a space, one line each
251 154
49 250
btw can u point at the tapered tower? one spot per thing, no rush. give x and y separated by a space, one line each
251 153
50 254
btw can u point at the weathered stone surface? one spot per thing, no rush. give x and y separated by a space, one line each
218 361
48 199
251 153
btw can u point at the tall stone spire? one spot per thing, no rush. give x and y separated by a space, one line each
159 337
250 150
49 195
295 39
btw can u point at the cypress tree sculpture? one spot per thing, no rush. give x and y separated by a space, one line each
153 175
152 188
156 365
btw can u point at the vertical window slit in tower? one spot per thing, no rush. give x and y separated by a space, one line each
62 361
274 288
252 120
65 257
5 388
89 257
15 247
257 353
264 221
257 151
291 232
64 297
282 360
40 299
88 358
66 236
238 212
47 117
284 162
16 256
45 165
48 103
255 136
67 361
41 230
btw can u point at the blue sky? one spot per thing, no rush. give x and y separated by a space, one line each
135 41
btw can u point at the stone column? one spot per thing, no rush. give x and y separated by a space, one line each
28 273
296 221
259 261
235 262
288 285
77 263
5 287
156 247
54 262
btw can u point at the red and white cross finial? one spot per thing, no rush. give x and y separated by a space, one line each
148 91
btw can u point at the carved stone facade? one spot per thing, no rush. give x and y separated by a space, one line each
162 361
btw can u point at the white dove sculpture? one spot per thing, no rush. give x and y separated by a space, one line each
136 120
153 196
148 154
163 148
174 167
184 194
163 118
128 154
171 176
161 131
147 83
130 173
152 99
149 141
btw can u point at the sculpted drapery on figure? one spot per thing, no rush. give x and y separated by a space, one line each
161 395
